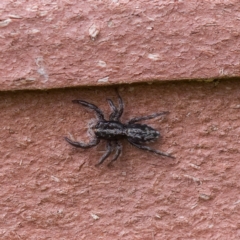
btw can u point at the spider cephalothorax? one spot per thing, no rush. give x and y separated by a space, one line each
113 130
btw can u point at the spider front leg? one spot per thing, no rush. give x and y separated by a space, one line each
137 119
121 107
150 149
91 106
116 113
83 145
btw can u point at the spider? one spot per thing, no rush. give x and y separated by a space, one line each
113 130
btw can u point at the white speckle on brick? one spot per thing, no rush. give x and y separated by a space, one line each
204 196
103 79
194 166
41 68
55 179
43 13
237 106
94 216
149 28
35 30
5 22
14 16
222 72
154 56
101 63
237 202
93 31
194 179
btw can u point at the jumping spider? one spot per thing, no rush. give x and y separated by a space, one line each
113 130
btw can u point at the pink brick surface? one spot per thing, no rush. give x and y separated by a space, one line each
53 44
50 190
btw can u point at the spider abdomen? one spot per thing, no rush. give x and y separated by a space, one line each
141 133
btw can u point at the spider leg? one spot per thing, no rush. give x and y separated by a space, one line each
106 154
137 119
114 113
121 106
118 152
150 149
93 143
91 106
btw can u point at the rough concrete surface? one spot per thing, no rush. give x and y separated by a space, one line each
50 190
52 44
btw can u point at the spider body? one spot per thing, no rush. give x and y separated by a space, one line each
113 130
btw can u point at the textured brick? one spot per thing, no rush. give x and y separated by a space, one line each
51 190
53 44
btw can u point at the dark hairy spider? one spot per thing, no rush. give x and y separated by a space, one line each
113 130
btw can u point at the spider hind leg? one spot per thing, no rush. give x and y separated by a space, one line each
151 150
